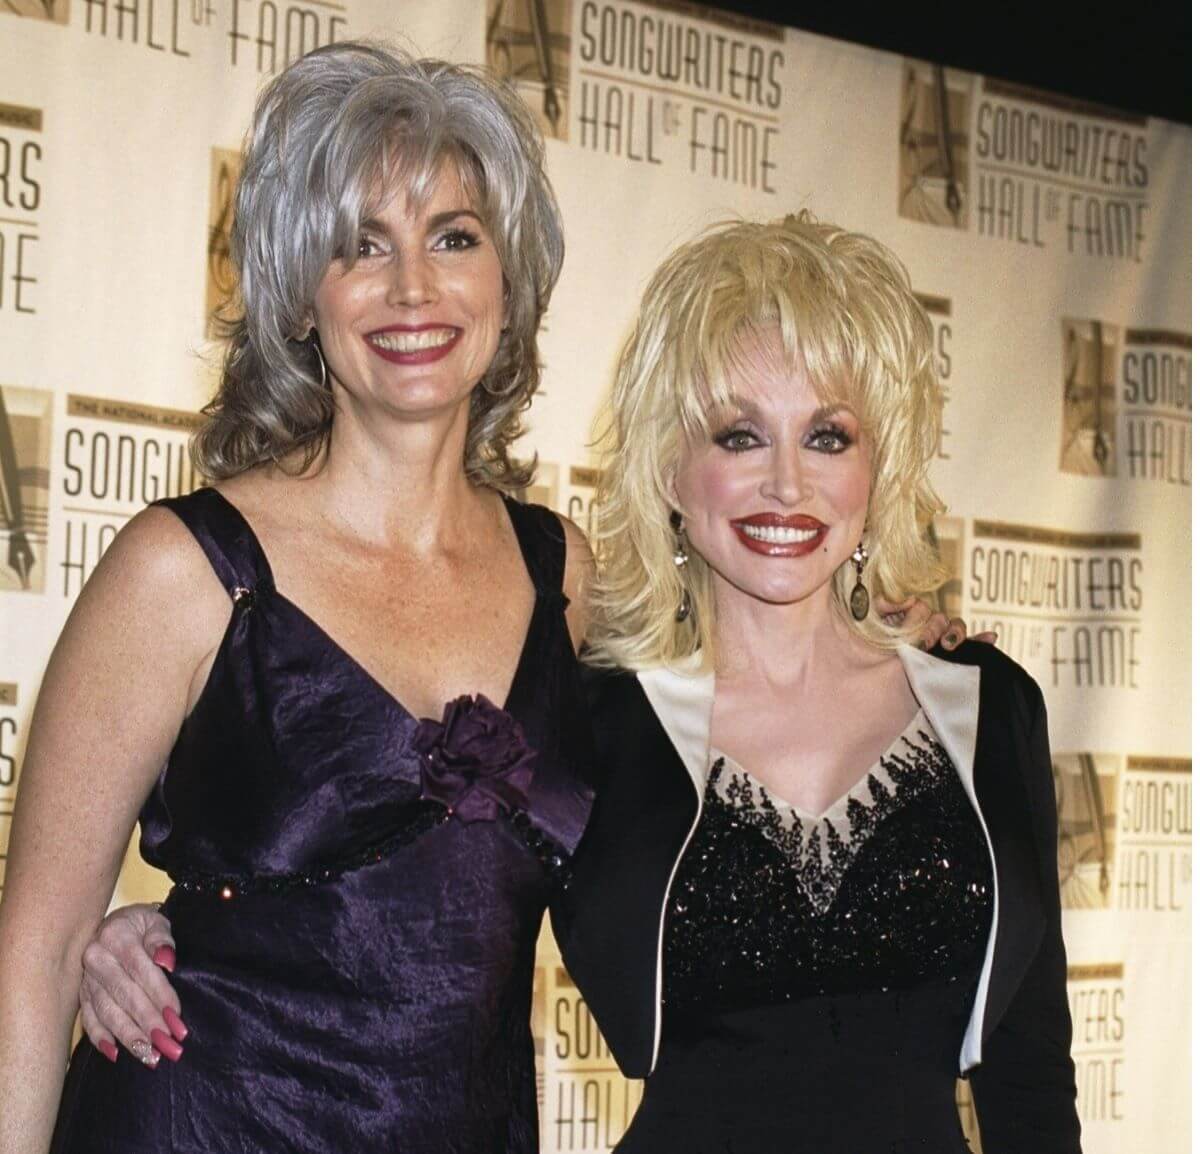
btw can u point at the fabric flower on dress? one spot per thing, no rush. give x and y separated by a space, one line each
475 761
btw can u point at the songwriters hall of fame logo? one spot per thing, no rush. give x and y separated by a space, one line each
1124 831
22 152
1096 993
117 457
266 35
25 437
1022 165
220 277
1126 403
668 83
1067 605
584 1102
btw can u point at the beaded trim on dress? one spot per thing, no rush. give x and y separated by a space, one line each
820 849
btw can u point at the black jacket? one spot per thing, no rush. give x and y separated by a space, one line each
990 716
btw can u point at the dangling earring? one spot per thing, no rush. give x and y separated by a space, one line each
316 346
684 610
860 599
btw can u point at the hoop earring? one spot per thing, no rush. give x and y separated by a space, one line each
316 346
684 609
860 599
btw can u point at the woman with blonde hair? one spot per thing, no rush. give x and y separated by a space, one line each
820 879
357 892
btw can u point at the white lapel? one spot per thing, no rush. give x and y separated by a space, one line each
683 702
949 695
682 699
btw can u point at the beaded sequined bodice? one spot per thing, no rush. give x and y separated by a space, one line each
889 889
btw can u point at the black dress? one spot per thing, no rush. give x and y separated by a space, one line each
819 972
358 892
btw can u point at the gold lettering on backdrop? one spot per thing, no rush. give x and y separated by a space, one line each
1066 604
585 475
1156 400
1155 867
132 413
1158 337
678 87
1062 538
1160 764
1096 972
1101 1019
18 116
8 693
1076 107
938 306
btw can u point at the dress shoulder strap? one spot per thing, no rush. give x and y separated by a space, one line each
543 544
225 536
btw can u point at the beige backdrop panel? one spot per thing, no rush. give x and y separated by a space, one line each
1050 242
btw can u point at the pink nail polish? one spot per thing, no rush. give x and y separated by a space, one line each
164 956
108 1050
175 1024
167 1047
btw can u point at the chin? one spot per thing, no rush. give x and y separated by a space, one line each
778 592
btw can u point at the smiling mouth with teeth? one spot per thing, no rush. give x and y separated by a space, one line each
412 342
773 536
778 534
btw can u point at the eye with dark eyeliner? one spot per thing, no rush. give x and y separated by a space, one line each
457 239
368 245
829 437
737 439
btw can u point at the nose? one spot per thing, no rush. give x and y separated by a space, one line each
786 480
413 282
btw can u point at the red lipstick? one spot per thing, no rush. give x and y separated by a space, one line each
424 356
774 535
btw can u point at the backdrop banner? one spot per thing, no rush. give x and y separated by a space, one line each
1049 239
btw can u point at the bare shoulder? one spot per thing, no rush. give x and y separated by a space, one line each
155 574
156 549
578 576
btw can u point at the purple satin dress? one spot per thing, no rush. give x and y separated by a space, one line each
357 893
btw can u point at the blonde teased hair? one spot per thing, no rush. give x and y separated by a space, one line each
846 316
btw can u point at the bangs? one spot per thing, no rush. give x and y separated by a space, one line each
754 328
408 166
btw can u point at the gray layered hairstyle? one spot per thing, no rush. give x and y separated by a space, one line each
334 137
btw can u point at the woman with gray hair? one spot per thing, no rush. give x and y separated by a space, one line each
289 677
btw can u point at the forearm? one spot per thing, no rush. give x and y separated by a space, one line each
37 1010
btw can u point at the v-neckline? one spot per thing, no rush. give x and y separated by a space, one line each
838 806
267 576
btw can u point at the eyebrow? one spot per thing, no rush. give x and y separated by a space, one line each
442 218
749 408
435 222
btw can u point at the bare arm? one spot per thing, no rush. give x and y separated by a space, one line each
116 690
